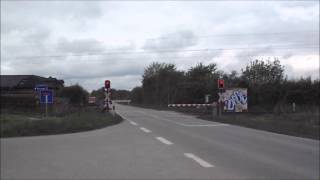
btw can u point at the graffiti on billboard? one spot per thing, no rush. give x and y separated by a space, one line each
235 100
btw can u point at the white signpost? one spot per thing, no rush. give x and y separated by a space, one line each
46 106
46 97
107 93
206 98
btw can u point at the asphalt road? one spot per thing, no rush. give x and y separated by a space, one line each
152 144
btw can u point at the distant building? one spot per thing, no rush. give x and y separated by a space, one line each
20 89
28 82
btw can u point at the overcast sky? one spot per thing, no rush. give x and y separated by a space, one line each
87 42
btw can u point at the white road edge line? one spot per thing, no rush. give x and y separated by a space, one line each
186 125
133 123
198 160
164 141
145 130
204 125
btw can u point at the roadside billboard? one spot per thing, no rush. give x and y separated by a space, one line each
235 100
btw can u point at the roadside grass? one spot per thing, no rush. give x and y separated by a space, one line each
302 124
297 124
13 125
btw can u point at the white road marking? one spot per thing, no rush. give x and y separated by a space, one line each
198 160
164 141
145 130
133 123
186 125
204 125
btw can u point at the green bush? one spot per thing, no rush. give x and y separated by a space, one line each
76 94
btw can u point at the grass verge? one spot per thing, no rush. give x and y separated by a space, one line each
14 125
299 124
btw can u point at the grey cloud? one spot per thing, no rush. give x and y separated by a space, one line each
262 51
54 9
103 69
10 26
127 46
37 35
80 69
119 82
238 59
79 46
88 10
244 57
32 42
288 55
297 74
34 29
267 19
18 16
90 75
298 4
176 40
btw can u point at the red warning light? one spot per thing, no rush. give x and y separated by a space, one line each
107 84
220 83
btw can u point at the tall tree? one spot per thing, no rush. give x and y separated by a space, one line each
264 81
75 94
201 80
260 72
159 83
136 95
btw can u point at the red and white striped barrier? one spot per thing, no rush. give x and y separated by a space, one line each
192 105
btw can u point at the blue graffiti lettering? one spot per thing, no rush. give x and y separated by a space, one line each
237 97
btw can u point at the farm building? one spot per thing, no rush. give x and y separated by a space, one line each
19 90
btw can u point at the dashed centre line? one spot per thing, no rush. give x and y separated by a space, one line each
133 123
145 130
198 160
164 141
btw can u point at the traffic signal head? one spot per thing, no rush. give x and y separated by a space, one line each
220 83
107 84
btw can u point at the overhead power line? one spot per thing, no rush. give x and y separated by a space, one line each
170 58
283 33
160 51
243 34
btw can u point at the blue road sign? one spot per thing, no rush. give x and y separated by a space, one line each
41 87
46 93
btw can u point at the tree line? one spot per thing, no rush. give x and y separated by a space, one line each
268 86
77 95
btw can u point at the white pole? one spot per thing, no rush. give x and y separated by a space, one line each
293 107
46 106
